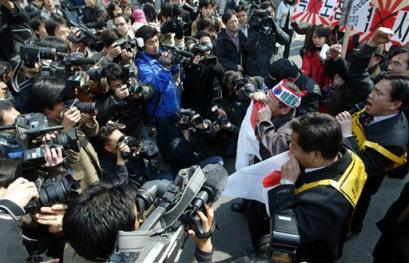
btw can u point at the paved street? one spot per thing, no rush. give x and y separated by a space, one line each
232 241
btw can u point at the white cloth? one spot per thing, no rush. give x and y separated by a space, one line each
247 182
247 145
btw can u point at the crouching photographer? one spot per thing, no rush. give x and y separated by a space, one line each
185 199
126 157
187 139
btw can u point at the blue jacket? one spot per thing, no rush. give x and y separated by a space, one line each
152 72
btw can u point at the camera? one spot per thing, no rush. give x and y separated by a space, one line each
96 74
162 235
31 54
179 55
126 44
220 118
84 107
142 148
138 88
200 50
187 118
262 21
59 189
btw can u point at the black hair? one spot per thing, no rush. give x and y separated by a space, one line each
105 132
201 34
150 12
204 3
400 88
110 9
400 50
318 132
36 22
242 7
46 92
9 171
146 32
204 23
166 10
126 18
322 31
92 220
5 105
113 71
53 23
227 15
109 36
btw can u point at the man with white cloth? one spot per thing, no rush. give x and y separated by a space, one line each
320 185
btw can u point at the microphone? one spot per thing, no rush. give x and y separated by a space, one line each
357 107
213 187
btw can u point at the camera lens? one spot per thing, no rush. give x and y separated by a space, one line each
86 107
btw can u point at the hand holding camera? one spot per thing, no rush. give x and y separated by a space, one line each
70 118
20 192
52 217
122 92
114 51
204 244
166 59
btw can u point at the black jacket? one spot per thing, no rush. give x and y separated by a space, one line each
227 53
260 48
95 17
310 102
317 210
391 133
8 21
198 86
358 83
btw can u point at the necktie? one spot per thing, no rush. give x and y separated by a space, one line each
365 120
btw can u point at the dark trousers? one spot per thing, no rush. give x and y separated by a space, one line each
287 47
258 222
165 127
371 187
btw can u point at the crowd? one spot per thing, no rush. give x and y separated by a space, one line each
99 98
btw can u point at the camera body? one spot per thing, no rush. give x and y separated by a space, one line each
142 148
188 118
262 21
126 44
59 189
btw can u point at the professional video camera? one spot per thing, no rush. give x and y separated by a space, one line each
161 236
59 189
29 128
88 37
262 21
143 148
175 24
180 56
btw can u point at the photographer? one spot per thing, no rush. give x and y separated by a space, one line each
48 96
113 51
200 76
206 10
123 26
129 95
57 27
172 28
126 157
93 241
263 34
158 73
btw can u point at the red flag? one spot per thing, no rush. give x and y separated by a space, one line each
272 179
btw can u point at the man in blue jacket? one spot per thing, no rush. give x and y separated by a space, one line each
156 68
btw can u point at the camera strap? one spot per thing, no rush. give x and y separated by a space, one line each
208 233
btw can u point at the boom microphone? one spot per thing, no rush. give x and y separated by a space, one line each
213 187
